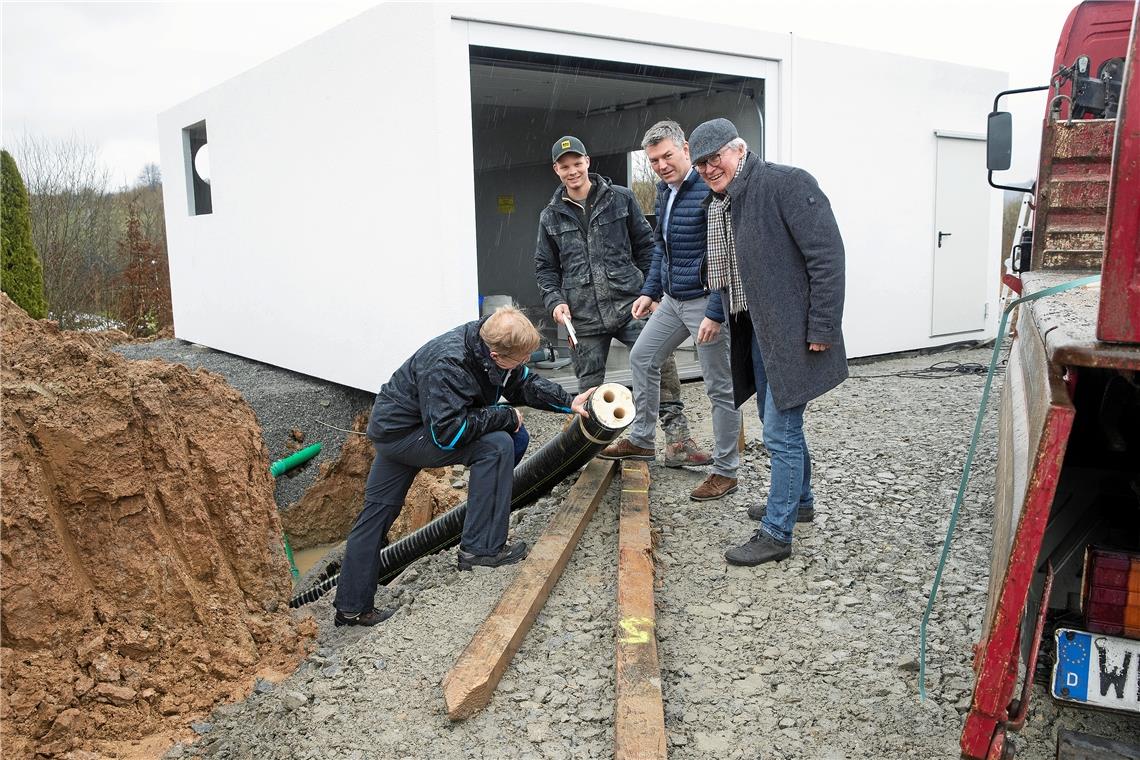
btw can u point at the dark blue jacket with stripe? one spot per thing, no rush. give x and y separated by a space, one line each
451 387
679 267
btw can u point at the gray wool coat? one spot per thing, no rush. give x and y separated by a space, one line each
790 255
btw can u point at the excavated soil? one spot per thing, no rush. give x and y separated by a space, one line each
144 578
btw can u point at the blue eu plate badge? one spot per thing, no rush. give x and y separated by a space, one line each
1097 670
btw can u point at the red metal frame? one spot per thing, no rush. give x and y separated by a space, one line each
1093 29
1119 317
997 658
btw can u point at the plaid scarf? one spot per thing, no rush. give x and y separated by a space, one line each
723 272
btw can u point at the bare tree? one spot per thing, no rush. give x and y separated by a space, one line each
144 284
150 177
73 223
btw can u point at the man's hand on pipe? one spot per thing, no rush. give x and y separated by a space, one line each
579 404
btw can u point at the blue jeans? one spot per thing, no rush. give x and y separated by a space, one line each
790 485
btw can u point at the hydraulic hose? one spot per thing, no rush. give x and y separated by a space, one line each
610 410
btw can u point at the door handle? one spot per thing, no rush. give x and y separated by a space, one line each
942 235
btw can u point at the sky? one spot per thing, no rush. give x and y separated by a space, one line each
103 71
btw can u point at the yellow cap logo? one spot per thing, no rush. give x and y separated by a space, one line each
565 144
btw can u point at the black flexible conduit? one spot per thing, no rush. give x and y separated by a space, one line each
611 411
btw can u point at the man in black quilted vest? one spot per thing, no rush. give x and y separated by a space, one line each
679 304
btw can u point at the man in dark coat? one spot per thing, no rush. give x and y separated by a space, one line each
593 251
776 253
441 407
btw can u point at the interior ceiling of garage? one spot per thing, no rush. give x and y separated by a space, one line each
516 78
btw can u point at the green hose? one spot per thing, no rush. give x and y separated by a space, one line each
289 554
970 461
289 462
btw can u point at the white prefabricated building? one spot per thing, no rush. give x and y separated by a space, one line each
366 189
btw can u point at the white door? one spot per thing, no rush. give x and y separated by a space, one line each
960 236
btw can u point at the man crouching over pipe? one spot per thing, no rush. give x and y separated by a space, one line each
440 408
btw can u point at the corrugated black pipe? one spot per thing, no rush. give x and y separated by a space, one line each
611 411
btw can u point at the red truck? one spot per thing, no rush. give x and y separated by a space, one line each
1064 595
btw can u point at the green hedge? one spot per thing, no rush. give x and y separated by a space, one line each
21 275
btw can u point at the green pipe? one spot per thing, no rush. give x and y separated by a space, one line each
289 462
289 554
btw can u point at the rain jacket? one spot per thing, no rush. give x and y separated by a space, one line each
451 387
597 270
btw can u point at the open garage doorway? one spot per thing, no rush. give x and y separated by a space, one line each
522 101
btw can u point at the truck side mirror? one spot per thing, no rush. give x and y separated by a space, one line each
999 141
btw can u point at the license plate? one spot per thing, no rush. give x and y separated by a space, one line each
1097 670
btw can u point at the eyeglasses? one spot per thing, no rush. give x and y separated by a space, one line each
511 362
713 161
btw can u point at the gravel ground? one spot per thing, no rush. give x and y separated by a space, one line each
815 657
282 400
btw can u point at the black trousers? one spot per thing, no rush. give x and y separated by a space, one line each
491 460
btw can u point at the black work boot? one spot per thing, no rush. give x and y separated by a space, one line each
803 514
760 548
368 617
508 555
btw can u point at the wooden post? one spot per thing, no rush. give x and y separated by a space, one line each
639 714
468 687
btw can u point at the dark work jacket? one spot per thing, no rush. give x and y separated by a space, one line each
791 260
679 266
450 386
598 270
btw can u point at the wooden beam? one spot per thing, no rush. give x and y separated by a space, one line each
468 687
639 715
1074 746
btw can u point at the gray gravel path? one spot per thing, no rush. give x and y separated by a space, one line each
811 658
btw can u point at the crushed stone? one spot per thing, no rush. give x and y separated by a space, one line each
815 657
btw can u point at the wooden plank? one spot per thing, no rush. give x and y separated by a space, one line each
639 714
1075 746
468 687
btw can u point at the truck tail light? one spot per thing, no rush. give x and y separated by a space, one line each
1110 598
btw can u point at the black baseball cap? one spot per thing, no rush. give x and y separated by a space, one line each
567 144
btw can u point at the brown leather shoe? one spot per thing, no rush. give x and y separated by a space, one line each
714 487
684 453
623 449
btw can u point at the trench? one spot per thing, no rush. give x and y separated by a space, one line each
307 559
610 411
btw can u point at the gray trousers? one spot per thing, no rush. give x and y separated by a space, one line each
492 461
590 357
666 329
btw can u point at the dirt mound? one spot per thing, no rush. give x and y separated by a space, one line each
143 575
103 338
326 512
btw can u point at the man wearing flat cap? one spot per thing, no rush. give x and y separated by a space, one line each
593 252
775 252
